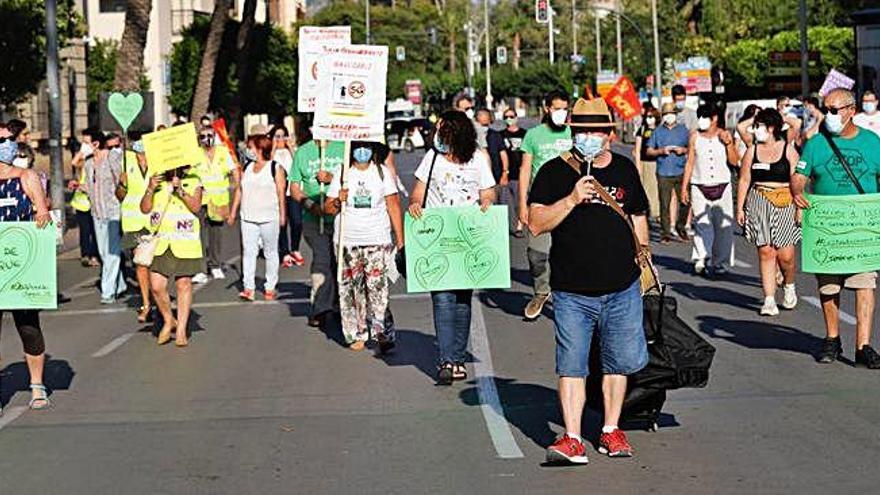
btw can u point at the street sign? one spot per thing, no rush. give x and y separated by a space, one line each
605 81
413 91
695 75
501 55
401 53
542 11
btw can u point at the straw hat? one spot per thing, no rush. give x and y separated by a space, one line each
259 130
590 114
668 108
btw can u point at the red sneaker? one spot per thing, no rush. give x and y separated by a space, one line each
567 450
287 261
247 295
298 259
615 444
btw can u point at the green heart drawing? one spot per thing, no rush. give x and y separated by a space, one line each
427 230
820 255
429 271
17 254
125 108
480 263
476 227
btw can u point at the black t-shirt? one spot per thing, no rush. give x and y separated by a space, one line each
512 144
494 146
592 252
645 132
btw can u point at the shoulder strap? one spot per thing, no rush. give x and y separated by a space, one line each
430 173
843 162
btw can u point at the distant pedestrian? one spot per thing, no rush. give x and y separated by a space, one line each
646 163
791 123
512 138
869 118
291 235
820 166
686 116
765 208
706 185
454 173
88 247
372 211
135 223
669 145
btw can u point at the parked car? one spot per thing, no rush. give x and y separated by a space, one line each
407 133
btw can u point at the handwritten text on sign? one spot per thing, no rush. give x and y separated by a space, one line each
312 40
457 248
27 266
172 148
842 234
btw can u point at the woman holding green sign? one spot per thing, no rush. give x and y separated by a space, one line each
22 200
454 173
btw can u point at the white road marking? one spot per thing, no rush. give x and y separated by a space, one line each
10 414
113 345
490 404
744 264
844 316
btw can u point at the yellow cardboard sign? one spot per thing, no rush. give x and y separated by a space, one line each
172 148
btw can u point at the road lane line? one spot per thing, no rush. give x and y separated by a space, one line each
10 414
113 345
844 316
490 403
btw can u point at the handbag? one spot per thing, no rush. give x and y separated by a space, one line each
779 197
649 280
712 193
400 256
145 250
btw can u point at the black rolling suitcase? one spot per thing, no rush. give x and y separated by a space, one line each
678 357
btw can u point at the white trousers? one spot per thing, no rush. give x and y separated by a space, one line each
713 228
251 235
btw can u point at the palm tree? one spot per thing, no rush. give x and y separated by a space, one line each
242 46
130 59
202 96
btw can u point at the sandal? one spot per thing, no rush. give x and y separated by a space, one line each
445 374
165 336
40 399
144 314
459 372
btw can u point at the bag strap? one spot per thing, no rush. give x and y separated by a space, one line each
842 161
430 173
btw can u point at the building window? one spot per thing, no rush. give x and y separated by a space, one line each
113 5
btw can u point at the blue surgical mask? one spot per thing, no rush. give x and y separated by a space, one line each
870 107
679 105
589 145
362 154
834 123
138 147
8 151
439 145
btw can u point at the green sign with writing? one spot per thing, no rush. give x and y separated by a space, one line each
27 266
841 234
457 248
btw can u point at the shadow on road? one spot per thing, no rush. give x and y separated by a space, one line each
715 294
759 334
415 349
57 375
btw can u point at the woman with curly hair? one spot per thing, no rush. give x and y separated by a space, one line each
454 173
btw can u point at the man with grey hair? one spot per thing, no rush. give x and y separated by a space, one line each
820 167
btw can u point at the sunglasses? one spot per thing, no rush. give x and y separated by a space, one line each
205 136
510 116
280 137
4 139
835 110
113 147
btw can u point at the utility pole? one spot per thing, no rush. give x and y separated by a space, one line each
658 82
574 27
598 44
619 7
552 37
805 55
53 80
488 58
367 19
468 28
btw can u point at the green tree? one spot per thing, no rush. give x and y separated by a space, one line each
101 70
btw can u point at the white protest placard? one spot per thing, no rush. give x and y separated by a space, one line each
836 80
350 105
312 40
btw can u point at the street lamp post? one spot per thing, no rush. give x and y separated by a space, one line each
552 35
658 83
619 40
488 58
574 36
805 56
53 79
598 44
367 19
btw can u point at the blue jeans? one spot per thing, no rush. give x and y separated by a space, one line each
618 319
291 235
452 324
109 238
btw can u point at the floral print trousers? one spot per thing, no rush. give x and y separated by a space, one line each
363 294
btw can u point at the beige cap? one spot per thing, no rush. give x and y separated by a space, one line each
259 130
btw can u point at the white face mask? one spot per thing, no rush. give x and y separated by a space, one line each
834 123
704 123
761 134
651 121
470 113
558 116
670 119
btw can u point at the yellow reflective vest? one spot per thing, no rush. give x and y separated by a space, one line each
135 186
214 175
80 200
177 228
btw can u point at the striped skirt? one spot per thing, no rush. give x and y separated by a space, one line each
770 225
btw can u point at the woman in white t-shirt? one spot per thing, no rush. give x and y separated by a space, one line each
288 241
261 199
372 211
454 173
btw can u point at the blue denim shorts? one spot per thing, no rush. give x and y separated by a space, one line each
618 319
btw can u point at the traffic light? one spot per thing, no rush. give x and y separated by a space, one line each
542 11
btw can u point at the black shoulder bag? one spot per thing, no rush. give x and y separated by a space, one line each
843 161
400 258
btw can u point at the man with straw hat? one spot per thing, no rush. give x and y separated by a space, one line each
594 277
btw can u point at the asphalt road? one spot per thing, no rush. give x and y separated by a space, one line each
260 403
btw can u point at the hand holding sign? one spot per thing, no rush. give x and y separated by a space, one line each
172 148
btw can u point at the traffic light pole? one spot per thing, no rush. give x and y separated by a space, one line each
53 80
805 56
552 39
488 58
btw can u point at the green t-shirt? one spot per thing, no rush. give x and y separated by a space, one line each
819 163
307 163
545 144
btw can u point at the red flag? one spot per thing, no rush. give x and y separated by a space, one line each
219 126
624 99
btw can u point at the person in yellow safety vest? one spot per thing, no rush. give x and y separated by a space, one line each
132 185
218 172
88 246
173 200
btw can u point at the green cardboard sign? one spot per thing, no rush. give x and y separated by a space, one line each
457 248
125 108
27 266
841 234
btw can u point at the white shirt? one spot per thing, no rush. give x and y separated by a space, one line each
366 214
284 158
259 197
710 167
869 122
455 184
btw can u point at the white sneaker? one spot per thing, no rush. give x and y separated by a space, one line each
699 267
200 278
769 308
217 273
790 299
